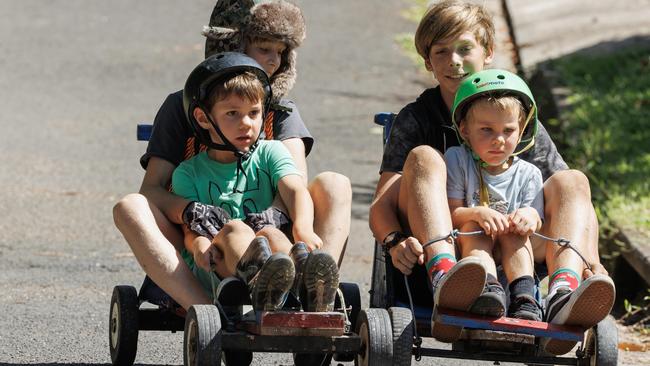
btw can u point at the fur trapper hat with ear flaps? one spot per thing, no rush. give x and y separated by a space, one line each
234 22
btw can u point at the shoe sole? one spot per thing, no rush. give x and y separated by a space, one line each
590 307
273 283
488 306
458 292
321 279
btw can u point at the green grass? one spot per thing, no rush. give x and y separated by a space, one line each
606 130
413 13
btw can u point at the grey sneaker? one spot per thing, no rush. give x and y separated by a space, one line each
269 289
321 279
525 307
456 290
590 303
492 302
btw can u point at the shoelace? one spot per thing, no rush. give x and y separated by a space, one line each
453 235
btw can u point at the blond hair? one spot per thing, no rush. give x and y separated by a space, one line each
450 19
245 85
502 102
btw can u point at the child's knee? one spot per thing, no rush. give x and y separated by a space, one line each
331 187
128 206
424 160
237 227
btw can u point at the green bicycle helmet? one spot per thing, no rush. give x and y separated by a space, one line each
501 82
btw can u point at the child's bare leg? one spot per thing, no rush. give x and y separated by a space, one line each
517 261
479 246
516 256
423 199
233 240
278 241
151 237
332 196
492 302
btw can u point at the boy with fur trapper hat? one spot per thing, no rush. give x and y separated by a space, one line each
269 32
233 28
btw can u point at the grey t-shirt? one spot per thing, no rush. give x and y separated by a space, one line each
519 186
172 138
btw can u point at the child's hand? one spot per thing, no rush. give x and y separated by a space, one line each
205 253
491 221
310 238
406 253
524 221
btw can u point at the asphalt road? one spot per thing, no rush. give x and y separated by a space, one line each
77 76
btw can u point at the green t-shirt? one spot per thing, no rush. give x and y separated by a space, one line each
251 190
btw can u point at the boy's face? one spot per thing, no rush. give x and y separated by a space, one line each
491 132
239 119
453 59
267 53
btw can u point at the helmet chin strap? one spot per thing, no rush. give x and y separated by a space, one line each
228 146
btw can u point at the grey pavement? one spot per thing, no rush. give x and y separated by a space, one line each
553 28
77 75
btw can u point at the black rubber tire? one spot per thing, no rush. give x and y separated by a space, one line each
374 328
237 358
378 285
352 297
202 338
601 344
402 323
123 325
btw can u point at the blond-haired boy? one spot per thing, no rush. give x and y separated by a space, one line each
456 39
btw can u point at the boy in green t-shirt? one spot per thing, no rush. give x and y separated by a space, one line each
225 98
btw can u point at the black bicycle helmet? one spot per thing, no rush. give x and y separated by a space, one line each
214 69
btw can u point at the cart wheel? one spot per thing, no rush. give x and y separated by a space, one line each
352 299
375 332
601 344
402 322
202 338
237 358
123 325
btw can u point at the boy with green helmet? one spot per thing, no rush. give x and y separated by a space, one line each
489 188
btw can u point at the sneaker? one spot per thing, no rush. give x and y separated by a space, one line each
456 290
271 285
492 302
321 279
525 307
590 303
299 254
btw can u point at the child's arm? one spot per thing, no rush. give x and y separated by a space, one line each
154 186
296 148
491 221
528 217
301 209
202 249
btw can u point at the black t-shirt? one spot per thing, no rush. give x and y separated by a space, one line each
172 138
427 121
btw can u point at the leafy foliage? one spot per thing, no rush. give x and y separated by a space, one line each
606 130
